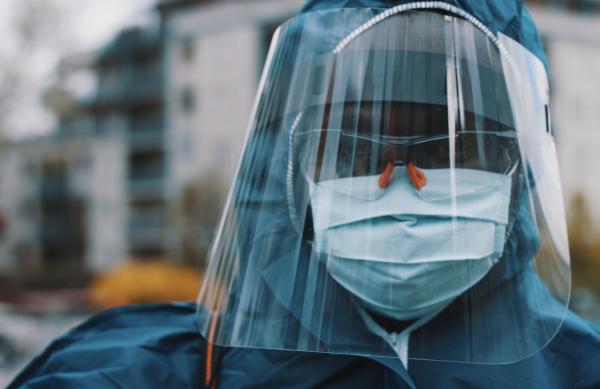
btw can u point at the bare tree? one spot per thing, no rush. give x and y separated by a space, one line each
584 242
36 36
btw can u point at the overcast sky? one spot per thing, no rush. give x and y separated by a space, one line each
80 27
96 21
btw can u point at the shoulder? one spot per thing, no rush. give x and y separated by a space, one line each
576 350
570 360
130 346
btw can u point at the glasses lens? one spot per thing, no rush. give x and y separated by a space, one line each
329 154
496 153
332 154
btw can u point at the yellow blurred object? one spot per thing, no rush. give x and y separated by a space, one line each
584 242
144 282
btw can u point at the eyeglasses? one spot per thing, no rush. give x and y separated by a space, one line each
333 154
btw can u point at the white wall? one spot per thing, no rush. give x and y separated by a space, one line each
573 47
107 201
577 113
18 195
223 74
210 134
96 174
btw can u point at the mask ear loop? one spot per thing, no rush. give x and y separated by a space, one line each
518 181
513 169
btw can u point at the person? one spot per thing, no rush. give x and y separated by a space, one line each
396 221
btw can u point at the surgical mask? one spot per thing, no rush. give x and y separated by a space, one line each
404 252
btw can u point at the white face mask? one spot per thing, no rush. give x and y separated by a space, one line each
404 252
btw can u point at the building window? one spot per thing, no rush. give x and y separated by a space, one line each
188 100
146 165
186 147
145 119
187 49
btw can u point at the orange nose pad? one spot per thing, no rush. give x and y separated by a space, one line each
384 179
417 177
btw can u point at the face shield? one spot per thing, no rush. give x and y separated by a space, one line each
399 167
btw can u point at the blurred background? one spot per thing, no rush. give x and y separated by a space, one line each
121 124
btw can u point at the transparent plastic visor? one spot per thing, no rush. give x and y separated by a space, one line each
403 183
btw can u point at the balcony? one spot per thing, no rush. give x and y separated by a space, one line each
146 139
148 239
54 191
147 189
127 92
147 217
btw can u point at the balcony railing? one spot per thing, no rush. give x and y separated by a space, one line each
147 189
131 91
146 139
148 238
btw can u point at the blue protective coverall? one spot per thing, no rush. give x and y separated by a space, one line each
161 345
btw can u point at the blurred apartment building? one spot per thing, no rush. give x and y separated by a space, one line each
214 55
571 34
56 192
129 101
170 109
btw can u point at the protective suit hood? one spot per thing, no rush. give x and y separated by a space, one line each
508 17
